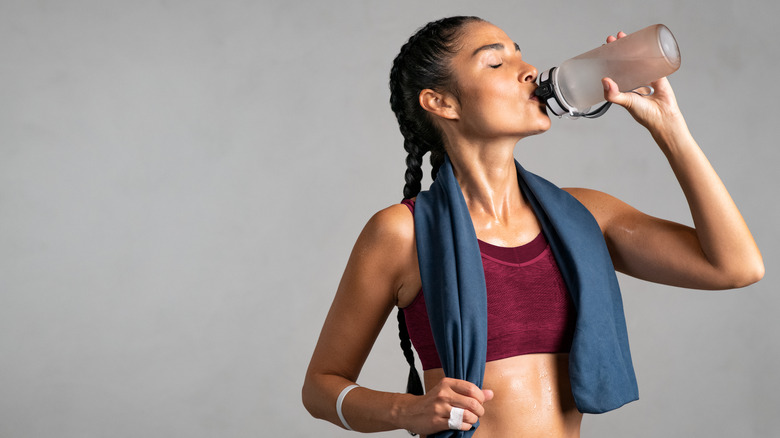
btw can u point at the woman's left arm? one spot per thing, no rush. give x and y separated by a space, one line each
719 252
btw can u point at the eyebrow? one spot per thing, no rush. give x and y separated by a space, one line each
494 46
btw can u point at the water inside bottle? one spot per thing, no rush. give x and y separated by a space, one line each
579 79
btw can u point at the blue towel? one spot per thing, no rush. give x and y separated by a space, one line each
453 282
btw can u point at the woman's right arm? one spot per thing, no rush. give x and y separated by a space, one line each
382 264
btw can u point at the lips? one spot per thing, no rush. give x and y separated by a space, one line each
534 98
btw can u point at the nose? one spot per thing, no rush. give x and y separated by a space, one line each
528 73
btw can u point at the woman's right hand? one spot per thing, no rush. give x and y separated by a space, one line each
430 413
382 264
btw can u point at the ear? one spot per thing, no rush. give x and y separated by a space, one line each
443 105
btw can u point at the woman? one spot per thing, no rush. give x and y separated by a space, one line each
461 91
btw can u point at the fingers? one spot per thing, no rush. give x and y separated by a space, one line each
469 419
612 93
620 34
652 111
433 412
468 389
471 396
465 395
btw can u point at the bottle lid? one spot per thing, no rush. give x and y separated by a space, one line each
548 93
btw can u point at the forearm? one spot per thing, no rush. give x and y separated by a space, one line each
724 238
365 410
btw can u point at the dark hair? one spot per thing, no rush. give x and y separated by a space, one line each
423 63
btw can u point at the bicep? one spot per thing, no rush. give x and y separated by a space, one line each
658 250
648 247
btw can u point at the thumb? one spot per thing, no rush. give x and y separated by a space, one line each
612 93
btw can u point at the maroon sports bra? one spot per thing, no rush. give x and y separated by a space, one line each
529 307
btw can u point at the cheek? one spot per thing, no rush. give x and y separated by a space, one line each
487 102
498 106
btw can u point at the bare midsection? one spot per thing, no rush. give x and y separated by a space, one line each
532 397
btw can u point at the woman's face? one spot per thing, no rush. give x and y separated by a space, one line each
496 87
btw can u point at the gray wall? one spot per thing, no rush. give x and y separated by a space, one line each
181 183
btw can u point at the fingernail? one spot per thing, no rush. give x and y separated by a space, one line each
606 85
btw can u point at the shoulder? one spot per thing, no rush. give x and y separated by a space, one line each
590 197
386 253
390 227
604 207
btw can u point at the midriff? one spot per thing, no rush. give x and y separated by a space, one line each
532 397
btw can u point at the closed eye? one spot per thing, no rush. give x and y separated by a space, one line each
496 65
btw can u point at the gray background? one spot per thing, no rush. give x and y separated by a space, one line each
181 183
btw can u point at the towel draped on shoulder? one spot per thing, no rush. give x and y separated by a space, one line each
453 282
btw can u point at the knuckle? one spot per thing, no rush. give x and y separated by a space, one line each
473 391
442 391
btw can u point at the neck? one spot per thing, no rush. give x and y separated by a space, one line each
488 177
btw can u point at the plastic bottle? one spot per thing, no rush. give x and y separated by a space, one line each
632 62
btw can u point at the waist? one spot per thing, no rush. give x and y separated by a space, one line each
532 397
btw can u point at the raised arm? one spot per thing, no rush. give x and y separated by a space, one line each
383 264
719 252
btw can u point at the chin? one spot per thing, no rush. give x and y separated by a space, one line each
537 122
542 126
546 119
546 127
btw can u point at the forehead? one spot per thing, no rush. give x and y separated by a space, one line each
479 34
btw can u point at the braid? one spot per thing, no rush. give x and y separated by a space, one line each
437 159
414 383
423 63
414 172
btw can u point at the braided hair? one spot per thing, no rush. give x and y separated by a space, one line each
423 63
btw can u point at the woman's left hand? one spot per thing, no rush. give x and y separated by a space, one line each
656 112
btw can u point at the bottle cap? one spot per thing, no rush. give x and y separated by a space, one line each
548 93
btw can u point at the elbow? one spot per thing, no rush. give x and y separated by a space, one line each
307 398
747 274
755 273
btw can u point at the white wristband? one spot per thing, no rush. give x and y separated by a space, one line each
340 400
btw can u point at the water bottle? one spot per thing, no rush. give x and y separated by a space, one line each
632 62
